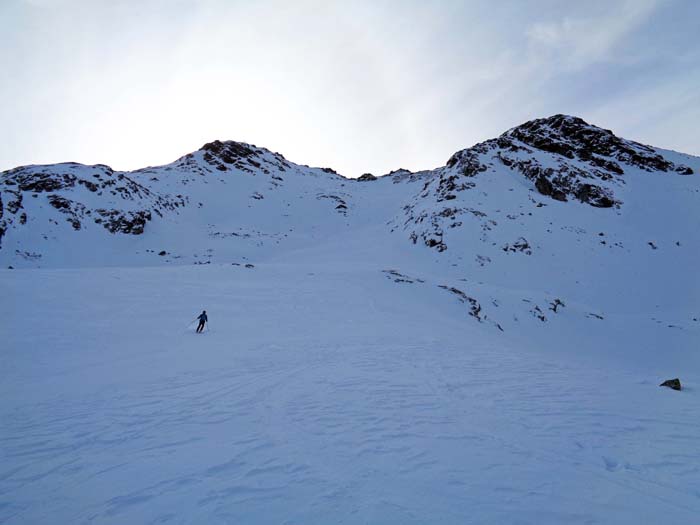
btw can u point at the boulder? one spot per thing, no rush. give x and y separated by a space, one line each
675 384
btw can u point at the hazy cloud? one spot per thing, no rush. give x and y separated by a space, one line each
576 43
359 86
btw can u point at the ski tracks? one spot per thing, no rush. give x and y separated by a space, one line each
380 432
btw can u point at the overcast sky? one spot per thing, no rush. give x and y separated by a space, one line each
360 86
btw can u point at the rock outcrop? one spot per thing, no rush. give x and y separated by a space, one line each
675 384
564 158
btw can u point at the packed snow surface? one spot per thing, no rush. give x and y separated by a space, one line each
480 343
319 395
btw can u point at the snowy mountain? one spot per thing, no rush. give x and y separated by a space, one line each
217 187
556 206
466 344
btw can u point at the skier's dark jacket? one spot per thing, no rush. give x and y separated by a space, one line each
203 318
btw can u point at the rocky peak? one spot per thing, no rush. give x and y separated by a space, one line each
575 139
223 155
565 135
565 157
229 149
563 126
231 155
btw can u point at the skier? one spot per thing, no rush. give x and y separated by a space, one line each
202 320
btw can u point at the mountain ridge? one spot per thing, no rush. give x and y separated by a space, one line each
560 158
244 149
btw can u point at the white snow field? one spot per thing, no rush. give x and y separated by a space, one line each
319 395
469 345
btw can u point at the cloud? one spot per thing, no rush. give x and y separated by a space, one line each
368 85
576 42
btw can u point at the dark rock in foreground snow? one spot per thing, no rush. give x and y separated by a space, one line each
675 384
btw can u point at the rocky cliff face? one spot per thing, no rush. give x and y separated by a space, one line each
81 194
230 155
566 158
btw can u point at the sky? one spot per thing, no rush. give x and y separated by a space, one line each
362 86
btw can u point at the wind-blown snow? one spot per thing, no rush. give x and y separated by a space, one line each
505 373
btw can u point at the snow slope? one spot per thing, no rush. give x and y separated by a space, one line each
480 343
321 395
